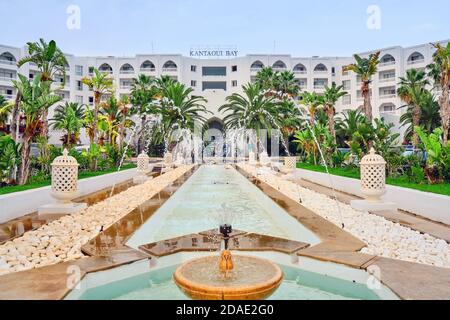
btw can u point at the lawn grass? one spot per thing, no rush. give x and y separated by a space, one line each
442 188
81 176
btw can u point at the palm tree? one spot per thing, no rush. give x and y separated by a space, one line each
252 110
50 61
429 119
5 110
286 84
290 120
163 82
365 68
36 98
312 101
101 84
411 89
70 118
143 92
266 78
348 124
180 110
440 72
331 96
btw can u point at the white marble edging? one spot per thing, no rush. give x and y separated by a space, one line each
429 205
19 204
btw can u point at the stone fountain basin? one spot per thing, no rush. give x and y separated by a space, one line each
252 279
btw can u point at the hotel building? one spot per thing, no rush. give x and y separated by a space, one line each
215 79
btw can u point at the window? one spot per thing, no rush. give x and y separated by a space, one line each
234 83
214 85
91 101
91 70
79 99
346 84
79 85
214 71
193 83
79 70
346 100
333 71
234 69
31 75
193 68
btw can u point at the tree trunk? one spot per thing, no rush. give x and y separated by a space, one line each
365 90
15 126
416 115
286 145
311 120
141 136
330 112
24 170
97 99
445 109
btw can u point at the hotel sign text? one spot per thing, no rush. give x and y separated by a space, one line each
213 53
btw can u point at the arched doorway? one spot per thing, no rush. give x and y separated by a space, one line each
213 138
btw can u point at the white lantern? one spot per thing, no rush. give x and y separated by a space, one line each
290 163
143 163
252 158
64 186
264 159
64 178
373 176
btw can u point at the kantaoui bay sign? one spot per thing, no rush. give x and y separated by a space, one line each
213 52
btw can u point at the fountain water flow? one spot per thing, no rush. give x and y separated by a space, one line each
125 151
325 165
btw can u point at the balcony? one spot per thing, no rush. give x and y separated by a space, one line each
319 87
148 69
387 63
320 71
170 69
8 96
388 79
418 61
279 69
258 69
127 71
388 95
7 79
7 62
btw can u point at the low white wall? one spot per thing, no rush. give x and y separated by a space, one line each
18 204
430 205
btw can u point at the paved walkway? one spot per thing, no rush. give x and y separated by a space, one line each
423 225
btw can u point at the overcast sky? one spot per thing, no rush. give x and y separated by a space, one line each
297 27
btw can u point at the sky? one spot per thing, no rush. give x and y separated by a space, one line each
298 27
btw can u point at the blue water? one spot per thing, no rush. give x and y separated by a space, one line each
297 285
197 206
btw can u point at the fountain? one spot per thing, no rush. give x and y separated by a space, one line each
228 277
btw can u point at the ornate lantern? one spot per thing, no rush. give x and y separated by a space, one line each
64 187
264 159
143 167
290 163
373 176
143 163
64 178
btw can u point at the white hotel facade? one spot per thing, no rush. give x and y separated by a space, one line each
215 79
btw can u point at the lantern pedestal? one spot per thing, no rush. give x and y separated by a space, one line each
364 205
62 208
